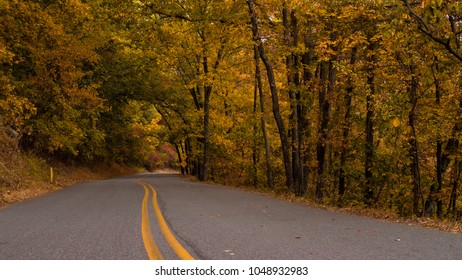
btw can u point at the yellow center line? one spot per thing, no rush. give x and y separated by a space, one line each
148 239
179 250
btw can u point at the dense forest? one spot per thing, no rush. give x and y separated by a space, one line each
347 102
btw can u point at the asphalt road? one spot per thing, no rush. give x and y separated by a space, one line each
106 220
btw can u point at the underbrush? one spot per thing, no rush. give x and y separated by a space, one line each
25 175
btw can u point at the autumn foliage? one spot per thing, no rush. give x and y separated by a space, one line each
350 103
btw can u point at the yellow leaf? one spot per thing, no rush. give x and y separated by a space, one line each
395 122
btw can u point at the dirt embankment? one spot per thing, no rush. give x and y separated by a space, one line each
26 176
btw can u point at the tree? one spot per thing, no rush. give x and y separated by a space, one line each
259 41
59 86
204 44
439 21
365 95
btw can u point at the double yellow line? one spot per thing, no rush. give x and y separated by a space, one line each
148 238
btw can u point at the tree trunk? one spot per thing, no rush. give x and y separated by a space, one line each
369 131
207 94
179 158
255 128
439 179
274 95
301 187
434 201
269 172
304 102
323 122
413 145
188 157
293 81
346 129
452 207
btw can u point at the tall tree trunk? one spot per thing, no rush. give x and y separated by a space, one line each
274 95
439 178
300 116
323 122
207 94
203 175
346 129
293 81
413 144
369 131
434 200
303 103
255 128
269 172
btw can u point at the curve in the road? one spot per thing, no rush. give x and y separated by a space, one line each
179 250
116 219
148 237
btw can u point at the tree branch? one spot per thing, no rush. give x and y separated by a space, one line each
425 29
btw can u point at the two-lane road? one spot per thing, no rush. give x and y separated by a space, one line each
122 219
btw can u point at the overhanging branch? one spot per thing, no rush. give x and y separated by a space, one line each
425 28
